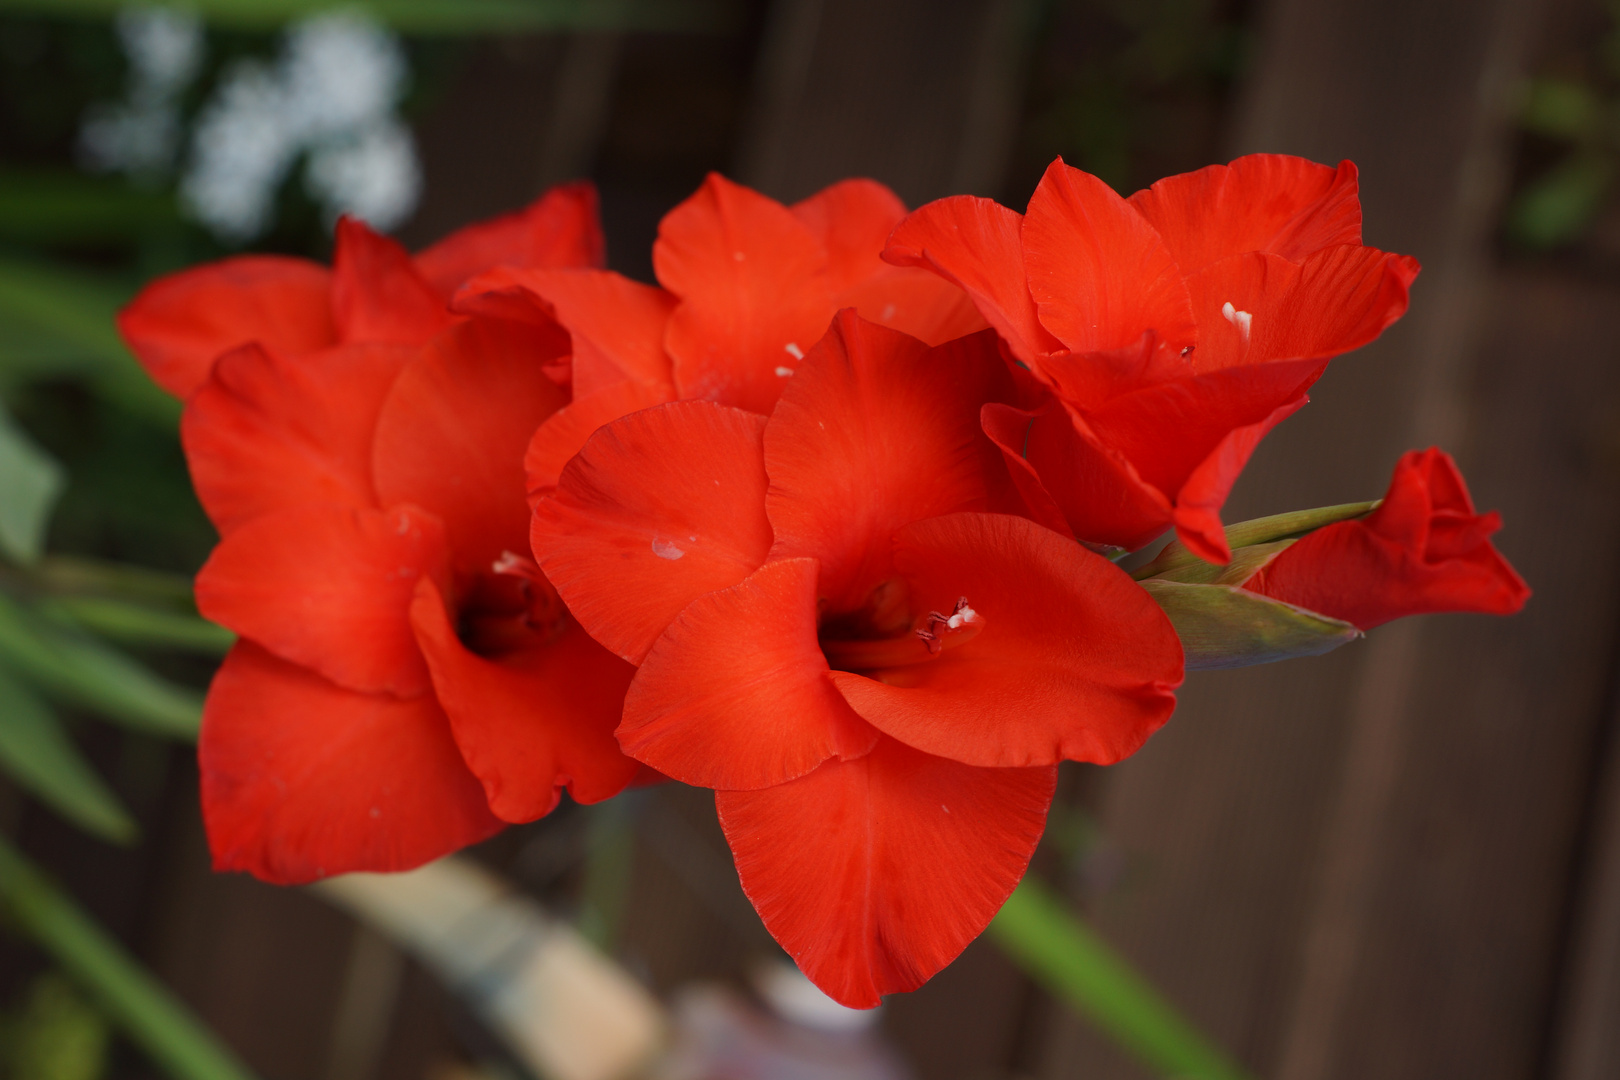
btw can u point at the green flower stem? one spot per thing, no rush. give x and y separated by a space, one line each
1036 929
146 1011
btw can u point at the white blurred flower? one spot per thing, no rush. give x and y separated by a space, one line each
242 149
373 176
332 95
140 134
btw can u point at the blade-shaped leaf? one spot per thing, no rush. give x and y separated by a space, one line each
30 482
141 626
140 1005
70 665
1037 930
1223 626
1295 523
37 753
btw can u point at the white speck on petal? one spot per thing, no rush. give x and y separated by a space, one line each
666 550
888 312
784 372
739 256
1242 320
945 808
692 538
794 351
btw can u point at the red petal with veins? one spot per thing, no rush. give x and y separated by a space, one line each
975 244
377 292
754 292
452 434
560 228
876 873
735 693
1074 662
302 779
329 587
877 431
616 325
1336 300
564 433
659 508
267 432
180 323
1099 274
1287 206
533 720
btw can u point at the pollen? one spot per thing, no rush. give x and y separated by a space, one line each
1242 320
936 627
794 351
664 549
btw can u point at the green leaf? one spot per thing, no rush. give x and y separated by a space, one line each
37 753
62 206
30 482
74 312
1037 930
440 17
1557 208
73 667
1264 530
142 626
141 1006
1560 109
76 575
1224 626
59 1036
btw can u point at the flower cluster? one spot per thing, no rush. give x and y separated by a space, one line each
830 521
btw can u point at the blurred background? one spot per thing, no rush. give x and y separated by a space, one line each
1399 860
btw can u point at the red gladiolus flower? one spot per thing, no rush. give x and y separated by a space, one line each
374 292
406 682
1168 332
836 630
1422 550
748 285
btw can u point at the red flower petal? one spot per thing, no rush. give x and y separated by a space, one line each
1199 502
1099 274
329 587
1263 202
638 529
302 779
853 220
267 432
377 293
616 325
1336 300
452 434
1423 550
560 228
975 244
564 432
877 431
876 873
178 324
735 693
754 294
532 721
1074 662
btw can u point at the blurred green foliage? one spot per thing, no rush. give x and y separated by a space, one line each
1572 121
54 1035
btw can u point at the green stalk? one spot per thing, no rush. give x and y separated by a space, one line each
141 626
1039 933
146 1011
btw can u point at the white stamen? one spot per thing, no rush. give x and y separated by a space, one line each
962 618
794 351
784 372
1242 320
666 550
